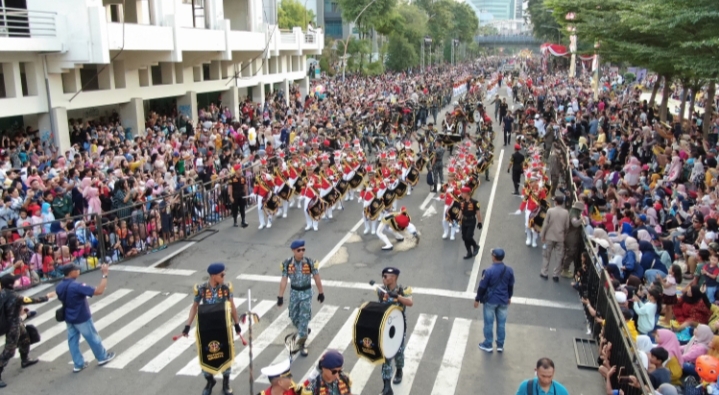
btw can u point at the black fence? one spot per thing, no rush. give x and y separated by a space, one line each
114 236
600 294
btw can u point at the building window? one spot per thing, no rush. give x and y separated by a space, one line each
333 29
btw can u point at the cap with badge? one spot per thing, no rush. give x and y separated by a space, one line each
278 370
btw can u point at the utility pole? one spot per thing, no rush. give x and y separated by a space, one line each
344 57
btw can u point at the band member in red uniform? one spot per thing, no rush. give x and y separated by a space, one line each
309 192
262 191
280 378
395 223
326 184
532 194
450 194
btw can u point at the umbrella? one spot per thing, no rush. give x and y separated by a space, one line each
319 89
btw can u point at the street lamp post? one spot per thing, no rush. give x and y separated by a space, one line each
347 41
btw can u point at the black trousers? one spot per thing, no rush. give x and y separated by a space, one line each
516 175
239 205
468 237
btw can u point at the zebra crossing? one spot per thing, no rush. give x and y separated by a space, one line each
138 325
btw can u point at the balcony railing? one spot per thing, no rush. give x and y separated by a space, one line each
287 38
17 22
310 38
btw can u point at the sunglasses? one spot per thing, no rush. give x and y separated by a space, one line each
300 250
336 371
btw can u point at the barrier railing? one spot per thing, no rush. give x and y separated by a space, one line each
17 22
600 294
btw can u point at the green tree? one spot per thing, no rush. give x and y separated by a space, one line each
544 25
465 22
401 55
487 30
292 13
375 15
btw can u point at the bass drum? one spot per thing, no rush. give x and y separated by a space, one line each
286 192
332 197
454 213
389 197
301 182
378 331
271 204
374 209
342 187
412 176
358 177
316 208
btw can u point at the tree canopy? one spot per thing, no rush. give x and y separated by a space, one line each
292 13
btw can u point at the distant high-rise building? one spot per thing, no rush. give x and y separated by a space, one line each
500 9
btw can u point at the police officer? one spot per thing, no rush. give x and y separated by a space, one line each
330 379
237 193
211 292
300 270
516 163
16 335
393 293
470 217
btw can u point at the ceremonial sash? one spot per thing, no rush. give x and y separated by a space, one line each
214 338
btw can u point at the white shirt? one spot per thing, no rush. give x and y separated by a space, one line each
252 136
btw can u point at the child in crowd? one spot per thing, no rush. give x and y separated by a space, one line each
669 292
710 273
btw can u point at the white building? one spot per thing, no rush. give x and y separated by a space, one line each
145 51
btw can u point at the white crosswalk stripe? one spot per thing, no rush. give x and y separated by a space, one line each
101 324
149 318
317 323
178 347
193 367
448 374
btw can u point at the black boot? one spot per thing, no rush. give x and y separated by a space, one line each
2 383
26 362
468 256
208 387
387 390
397 376
226 385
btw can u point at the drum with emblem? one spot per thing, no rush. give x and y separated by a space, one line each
356 180
332 197
420 163
286 192
413 176
374 209
454 213
342 187
301 181
271 204
400 191
472 183
316 208
389 197
378 331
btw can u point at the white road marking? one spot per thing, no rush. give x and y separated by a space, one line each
429 212
193 366
448 374
136 324
317 323
422 291
426 201
339 245
153 270
177 348
102 323
242 361
340 343
486 217
360 374
172 255
61 327
414 350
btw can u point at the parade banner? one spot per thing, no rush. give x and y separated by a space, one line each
215 342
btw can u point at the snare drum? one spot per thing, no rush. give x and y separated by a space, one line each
379 331
271 204
316 208
342 187
454 213
332 197
389 197
374 209
400 191
412 176
286 192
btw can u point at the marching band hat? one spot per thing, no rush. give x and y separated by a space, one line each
215 268
498 253
277 370
297 244
332 359
390 270
466 190
517 147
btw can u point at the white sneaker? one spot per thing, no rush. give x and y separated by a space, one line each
269 225
308 227
329 217
534 243
284 215
451 237
366 231
444 235
387 247
261 227
315 229
529 240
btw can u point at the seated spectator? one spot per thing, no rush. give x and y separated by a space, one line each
698 345
692 307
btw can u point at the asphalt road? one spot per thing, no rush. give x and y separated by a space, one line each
148 299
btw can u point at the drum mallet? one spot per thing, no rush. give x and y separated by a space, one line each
374 284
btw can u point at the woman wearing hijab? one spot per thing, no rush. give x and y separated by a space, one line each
668 340
650 261
675 169
632 170
698 345
693 306
632 258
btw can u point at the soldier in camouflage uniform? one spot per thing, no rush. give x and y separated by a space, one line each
393 293
16 335
300 271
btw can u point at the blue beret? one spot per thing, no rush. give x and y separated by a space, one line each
498 253
216 268
297 244
332 359
391 270
642 217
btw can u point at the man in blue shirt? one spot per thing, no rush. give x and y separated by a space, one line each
78 318
495 293
544 383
